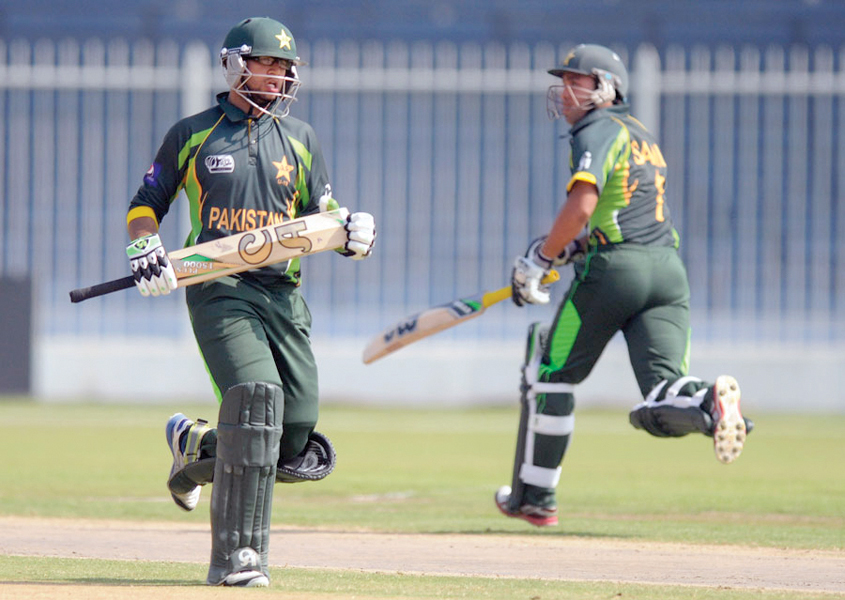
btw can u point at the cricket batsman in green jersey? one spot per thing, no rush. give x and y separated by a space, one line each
244 164
617 228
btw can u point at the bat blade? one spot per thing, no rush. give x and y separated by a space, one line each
423 324
436 319
240 252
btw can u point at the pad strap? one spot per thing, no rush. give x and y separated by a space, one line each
552 425
539 476
665 413
192 444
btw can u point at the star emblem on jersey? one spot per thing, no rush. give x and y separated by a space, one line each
284 169
284 40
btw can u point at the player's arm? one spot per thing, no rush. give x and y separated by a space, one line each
154 274
571 219
559 247
141 226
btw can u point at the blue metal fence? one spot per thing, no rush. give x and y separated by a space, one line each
450 148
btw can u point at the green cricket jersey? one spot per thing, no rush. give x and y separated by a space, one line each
239 173
616 153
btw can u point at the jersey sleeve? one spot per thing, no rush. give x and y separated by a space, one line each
164 178
595 153
312 178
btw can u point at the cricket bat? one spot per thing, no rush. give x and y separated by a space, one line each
436 318
243 251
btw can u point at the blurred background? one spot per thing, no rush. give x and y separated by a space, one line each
432 117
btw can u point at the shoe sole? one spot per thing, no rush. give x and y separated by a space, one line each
245 579
189 501
729 432
502 504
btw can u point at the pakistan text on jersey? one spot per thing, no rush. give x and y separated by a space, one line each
242 219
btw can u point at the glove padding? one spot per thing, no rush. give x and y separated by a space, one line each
315 462
361 231
152 270
528 272
573 251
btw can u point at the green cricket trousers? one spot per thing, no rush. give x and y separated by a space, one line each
639 290
254 331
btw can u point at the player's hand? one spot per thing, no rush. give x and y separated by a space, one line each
152 270
361 230
527 275
573 251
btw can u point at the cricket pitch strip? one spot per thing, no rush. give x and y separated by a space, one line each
547 557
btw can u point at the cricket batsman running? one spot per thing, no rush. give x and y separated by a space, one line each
243 164
629 277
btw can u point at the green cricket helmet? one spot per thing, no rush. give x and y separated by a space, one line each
599 62
255 38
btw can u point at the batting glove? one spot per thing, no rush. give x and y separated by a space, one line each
361 233
573 251
527 275
152 270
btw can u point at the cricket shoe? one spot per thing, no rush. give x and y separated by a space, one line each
729 427
184 437
242 570
246 579
540 516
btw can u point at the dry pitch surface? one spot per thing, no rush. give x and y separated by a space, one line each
489 555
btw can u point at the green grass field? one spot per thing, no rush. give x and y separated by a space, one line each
409 470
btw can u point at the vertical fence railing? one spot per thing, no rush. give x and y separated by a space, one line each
756 140
449 146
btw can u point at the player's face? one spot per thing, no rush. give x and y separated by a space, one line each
266 77
576 97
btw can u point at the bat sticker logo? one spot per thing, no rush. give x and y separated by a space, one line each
462 309
401 329
257 255
287 234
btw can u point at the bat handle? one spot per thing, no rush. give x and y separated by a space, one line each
551 277
102 288
491 298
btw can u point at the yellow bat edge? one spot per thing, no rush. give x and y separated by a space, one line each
433 320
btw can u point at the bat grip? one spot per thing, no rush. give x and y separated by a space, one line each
102 288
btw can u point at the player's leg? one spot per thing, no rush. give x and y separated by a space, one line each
193 446
677 404
243 341
305 454
248 433
288 332
554 363
228 319
658 341
231 339
531 493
